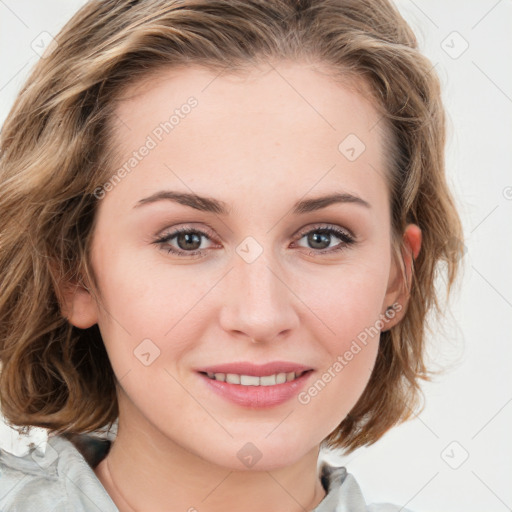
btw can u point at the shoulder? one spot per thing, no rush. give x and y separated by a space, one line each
59 480
344 493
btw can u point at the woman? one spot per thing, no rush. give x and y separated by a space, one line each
221 222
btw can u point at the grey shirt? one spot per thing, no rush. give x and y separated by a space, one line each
63 480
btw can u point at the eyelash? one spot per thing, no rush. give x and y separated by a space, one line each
347 240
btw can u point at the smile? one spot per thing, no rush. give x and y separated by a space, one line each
253 380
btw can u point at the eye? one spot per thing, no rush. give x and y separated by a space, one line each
187 240
321 237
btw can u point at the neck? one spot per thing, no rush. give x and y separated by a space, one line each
144 470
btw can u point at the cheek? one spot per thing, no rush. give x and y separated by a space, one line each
144 298
345 298
347 305
336 389
155 316
351 312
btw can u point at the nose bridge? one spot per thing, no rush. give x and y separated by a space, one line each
259 304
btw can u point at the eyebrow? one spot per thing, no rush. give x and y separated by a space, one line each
211 205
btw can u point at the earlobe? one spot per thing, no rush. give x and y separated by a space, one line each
78 306
77 303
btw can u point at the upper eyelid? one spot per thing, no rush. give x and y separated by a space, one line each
173 231
321 226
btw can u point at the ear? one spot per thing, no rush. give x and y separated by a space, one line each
79 307
398 291
77 303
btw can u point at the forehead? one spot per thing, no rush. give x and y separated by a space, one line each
269 129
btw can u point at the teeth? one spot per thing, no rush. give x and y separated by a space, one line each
280 378
267 380
251 380
232 378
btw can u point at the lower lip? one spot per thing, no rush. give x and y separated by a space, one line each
257 397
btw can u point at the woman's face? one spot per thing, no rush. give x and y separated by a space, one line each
264 270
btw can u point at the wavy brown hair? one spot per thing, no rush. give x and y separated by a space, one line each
56 149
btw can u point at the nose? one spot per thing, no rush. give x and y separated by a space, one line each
260 304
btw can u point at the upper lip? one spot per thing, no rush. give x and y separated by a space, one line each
247 368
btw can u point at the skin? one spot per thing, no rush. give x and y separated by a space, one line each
256 144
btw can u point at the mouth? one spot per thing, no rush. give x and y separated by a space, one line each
256 386
254 380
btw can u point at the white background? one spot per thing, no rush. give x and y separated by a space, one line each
420 464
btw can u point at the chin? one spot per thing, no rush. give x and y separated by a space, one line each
258 455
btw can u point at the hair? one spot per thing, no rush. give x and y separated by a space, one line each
56 149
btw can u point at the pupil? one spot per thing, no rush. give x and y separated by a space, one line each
189 238
319 238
